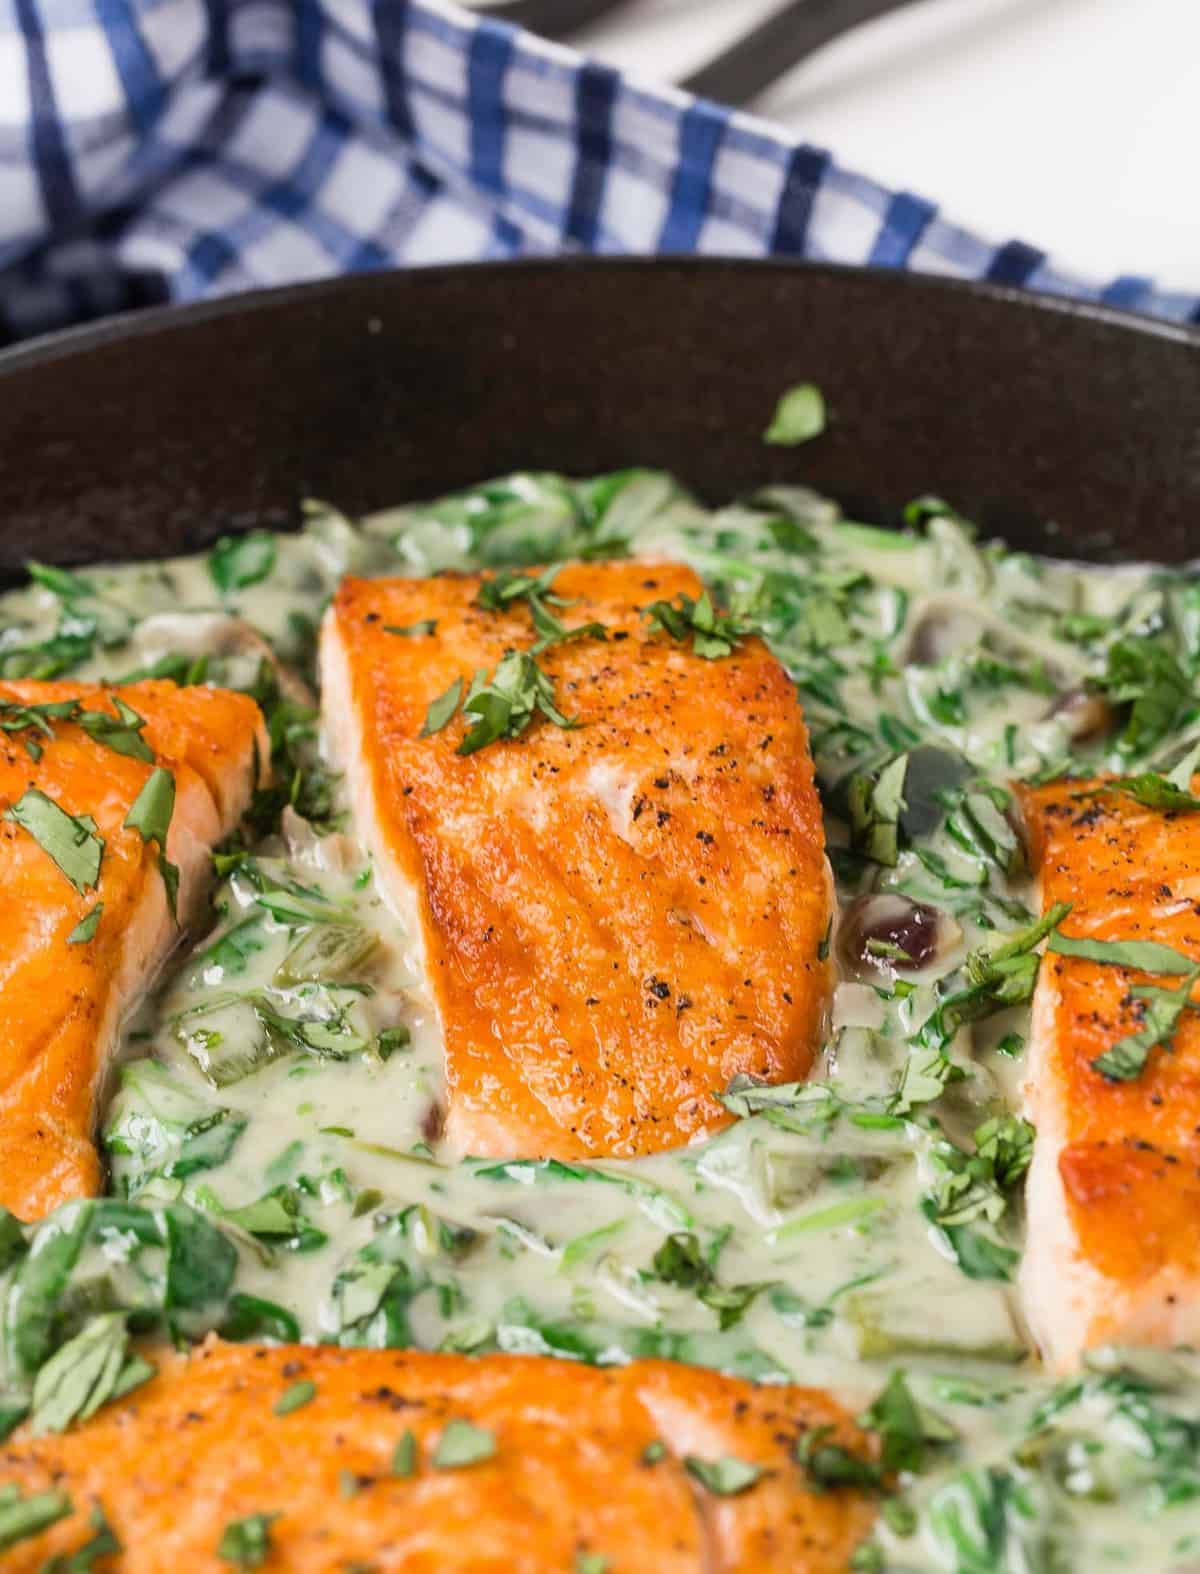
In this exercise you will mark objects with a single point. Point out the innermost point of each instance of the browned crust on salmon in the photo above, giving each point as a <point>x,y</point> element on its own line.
<point>200,1446</point>
<point>63,1002</point>
<point>1113,1252</point>
<point>616,918</point>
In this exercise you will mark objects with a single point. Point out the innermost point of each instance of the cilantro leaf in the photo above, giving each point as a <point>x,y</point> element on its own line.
<point>905,1430</point>
<point>713,634</point>
<point>462,1444</point>
<point>1143,674</point>
<point>21,1518</point>
<point>416,630</point>
<point>103,1544</point>
<point>150,815</point>
<point>85,929</point>
<point>404,1455</point>
<point>506,705</point>
<point>295,1397</point>
<point>441,710</point>
<point>831,1465</point>
<point>1161,1014</point>
<point>724,1477</point>
<point>997,977</point>
<point>799,417</point>
<point>247,1542</point>
<point>71,841</point>
<point>121,733</point>
<point>1143,956</point>
<point>85,1373</point>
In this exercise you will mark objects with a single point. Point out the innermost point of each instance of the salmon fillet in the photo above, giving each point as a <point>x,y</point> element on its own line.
<point>63,999</point>
<point>1112,1251</point>
<point>616,918</point>
<point>200,1445</point>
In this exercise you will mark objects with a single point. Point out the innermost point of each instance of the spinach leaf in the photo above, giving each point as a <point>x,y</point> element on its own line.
<point>1143,674</point>
<point>237,562</point>
<point>85,1373</point>
<point>875,804</point>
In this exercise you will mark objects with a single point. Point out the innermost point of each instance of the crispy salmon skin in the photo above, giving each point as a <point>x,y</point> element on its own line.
<point>65,989</point>
<point>443,1464</point>
<point>1113,1252</point>
<point>617,916</point>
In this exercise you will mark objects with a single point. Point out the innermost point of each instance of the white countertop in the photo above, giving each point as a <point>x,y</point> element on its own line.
<point>1071,124</point>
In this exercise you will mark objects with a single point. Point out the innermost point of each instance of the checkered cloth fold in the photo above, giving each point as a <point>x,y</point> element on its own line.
<point>157,150</point>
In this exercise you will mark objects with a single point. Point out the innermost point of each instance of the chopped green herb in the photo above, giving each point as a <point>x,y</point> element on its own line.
<point>100,1545</point>
<point>713,634</point>
<point>85,1373</point>
<point>85,929</point>
<point>1143,956</point>
<point>237,562</point>
<point>441,710</point>
<point>247,1542</point>
<point>831,1465</point>
<point>505,706</point>
<point>150,815</point>
<point>799,417</point>
<point>404,1455</point>
<point>122,733</point>
<point>724,1477</point>
<point>71,841</point>
<point>462,1444</point>
<point>653,1452</point>
<point>1161,1013</point>
<point>905,1430</point>
<point>293,1398</point>
<point>21,1518</point>
<point>590,1563</point>
<point>417,630</point>
<point>1143,674</point>
<point>875,804</point>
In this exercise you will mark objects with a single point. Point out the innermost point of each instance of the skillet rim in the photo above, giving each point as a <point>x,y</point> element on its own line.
<point>44,349</point>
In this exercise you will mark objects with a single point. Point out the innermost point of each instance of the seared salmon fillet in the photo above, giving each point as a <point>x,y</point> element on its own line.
<point>65,991</point>
<point>445,1464</point>
<point>1113,1249</point>
<point>616,916</point>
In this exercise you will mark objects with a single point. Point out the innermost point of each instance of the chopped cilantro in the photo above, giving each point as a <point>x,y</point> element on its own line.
<point>405,1455</point>
<point>85,929</point>
<point>71,841</point>
<point>150,815</point>
<point>418,630</point>
<point>295,1397</point>
<point>21,1517</point>
<point>713,634</point>
<point>462,1444</point>
<point>799,417</point>
<point>724,1477</point>
<point>247,1542</point>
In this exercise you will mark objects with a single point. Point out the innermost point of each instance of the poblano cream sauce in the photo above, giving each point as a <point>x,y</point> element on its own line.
<point>280,1097</point>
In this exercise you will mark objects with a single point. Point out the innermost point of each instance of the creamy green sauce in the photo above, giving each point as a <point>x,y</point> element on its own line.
<point>284,1083</point>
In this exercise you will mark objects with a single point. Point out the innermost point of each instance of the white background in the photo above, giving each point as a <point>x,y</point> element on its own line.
<point>1071,124</point>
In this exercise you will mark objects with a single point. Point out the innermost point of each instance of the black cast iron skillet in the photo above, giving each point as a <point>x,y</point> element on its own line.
<point>1061,427</point>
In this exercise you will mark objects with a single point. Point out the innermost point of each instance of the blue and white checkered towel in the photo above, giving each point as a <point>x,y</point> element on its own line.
<point>158,150</point>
